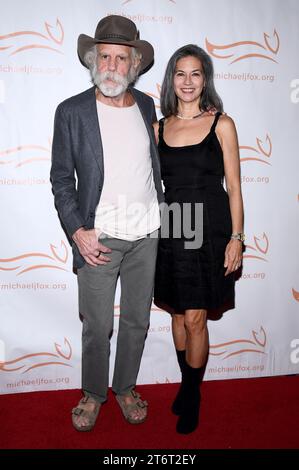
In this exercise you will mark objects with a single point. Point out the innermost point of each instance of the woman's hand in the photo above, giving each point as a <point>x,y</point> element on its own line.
<point>233,256</point>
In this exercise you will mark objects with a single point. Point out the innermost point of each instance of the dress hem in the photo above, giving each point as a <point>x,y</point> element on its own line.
<point>181,310</point>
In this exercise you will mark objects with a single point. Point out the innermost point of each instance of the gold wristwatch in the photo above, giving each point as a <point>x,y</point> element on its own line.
<point>238,236</point>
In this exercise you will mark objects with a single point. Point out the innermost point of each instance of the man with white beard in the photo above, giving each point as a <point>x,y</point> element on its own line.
<point>112,221</point>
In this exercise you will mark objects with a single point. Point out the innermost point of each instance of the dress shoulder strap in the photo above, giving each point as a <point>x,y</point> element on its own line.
<point>217,116</point>
<point>161,129</point>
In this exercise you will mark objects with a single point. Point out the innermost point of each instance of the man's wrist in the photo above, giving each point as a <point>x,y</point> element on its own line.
<point>79,230</point>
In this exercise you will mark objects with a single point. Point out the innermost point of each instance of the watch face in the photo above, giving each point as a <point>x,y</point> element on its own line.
<point>238,236</point>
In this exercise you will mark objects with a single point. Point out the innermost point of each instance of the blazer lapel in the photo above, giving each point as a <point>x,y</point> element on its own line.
<point>91,124</point>
<point>140,104</point>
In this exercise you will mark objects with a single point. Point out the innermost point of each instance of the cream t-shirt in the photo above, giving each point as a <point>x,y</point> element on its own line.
<point>128,208</point>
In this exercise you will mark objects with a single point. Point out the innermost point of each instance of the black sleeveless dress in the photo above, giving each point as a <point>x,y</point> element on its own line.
<point>194,278</point>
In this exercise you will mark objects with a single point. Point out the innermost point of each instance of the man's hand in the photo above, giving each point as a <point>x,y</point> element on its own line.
<point>90,248</point>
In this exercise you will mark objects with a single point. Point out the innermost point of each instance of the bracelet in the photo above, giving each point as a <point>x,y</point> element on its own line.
<point>238,236</point>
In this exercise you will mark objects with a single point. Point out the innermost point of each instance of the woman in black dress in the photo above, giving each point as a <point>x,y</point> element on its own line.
<point>198,149</point>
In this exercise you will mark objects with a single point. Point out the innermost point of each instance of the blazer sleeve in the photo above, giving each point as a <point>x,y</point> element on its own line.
<point>62,175</point>
<point>153,110</point>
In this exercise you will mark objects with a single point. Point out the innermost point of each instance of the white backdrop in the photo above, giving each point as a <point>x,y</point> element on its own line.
<point>254,45</point>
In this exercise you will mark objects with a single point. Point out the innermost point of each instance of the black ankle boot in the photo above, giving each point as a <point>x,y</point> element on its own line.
<point>189,417</point>
<point>177,404</point>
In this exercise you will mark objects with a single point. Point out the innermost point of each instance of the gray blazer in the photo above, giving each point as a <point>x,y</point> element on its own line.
<point>77,171</point>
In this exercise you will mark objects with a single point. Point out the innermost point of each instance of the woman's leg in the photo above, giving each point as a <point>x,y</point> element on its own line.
<point>179,332</point>
<point>197,347</point>
<point>190,334</point>
<point>197,337</point>
<point>179,339</point>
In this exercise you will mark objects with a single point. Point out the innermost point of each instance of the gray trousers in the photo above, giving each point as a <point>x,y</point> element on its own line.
<point>135,263</point>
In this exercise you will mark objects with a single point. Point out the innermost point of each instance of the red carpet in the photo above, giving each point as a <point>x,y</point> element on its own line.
<point>250,413</point>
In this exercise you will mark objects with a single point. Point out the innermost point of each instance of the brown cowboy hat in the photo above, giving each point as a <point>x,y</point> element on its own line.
<point>114,29</point>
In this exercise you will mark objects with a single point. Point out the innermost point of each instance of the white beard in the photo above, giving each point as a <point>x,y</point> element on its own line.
<point>112,91</point>
<point>121,82</point>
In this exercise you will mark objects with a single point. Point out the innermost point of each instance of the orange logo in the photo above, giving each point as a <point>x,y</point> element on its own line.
<point>26,262</point>
<point>295,294</point>
<point>53,35</point>
<point>18,156</point>
<point>259,152</point>
<point>240,346</point>
<point>40,359</point>
<point>260,247</point>
<point>239,50</point>
<point>156,97</point>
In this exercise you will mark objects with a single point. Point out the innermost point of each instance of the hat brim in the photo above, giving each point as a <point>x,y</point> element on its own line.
<point>85,43</point>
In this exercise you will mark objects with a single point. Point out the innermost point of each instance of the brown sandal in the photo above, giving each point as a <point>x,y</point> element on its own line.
<point>129,409</point>
<point>91,416</point>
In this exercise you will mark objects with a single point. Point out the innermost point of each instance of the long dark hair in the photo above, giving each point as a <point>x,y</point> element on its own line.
<point>209,97</point>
